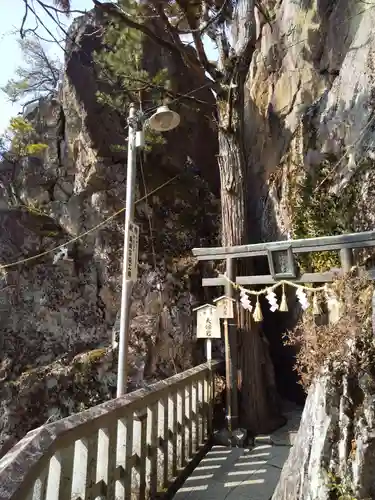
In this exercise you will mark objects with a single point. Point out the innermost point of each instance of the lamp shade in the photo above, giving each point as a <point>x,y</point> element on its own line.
<point>164,119</point>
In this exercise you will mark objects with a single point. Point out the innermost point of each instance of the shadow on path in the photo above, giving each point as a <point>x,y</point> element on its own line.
<point>239,474</point>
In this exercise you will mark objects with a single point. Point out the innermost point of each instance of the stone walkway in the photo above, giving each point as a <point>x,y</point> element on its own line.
<point>239,474</point>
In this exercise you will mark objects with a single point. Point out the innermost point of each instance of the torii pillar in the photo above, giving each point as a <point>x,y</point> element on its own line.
<point>233,359</point>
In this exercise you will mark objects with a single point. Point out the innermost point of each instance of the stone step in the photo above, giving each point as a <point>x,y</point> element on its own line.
<point>262,439</point>
<point>285,438</point>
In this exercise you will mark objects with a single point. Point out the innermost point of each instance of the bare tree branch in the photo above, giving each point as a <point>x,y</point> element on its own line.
<point>204,27</point>
<point>117,13</point>
<point>36,15</point>
<point>22,33</point>
<point>61,11</point>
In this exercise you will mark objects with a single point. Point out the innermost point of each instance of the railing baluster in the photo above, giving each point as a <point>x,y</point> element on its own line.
<point>153,458</point>
<point>160,440</point>
<point>190,423</point>
<point>67,457</point>
<point>120,459</point>
<point>92,460</point>
<point>54,475</point>
<point>197,426</point>
<point>105,467</point>
<point>39,489</point>
<point>202,411</point>
<point>142,419</point>
<point>175,435</point>
<point>178,401</point>
<point>102,464</point>
<point>79,469</point>
<point>183,428</point>
<point>206,400</point>
<point>166,442</point>
<point>112,446</point>
<point>210,402</point>
<point>84,467</point>
<point>129,457</point>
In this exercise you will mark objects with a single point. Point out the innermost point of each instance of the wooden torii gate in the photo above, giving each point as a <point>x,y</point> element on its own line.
<point>344,244</point>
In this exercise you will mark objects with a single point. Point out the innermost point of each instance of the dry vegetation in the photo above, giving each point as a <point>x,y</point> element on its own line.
<point>346,345</point>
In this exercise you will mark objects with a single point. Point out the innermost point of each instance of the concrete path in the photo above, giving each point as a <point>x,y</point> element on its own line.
<point>242,474</point>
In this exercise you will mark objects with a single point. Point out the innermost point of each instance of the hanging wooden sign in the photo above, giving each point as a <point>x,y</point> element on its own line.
<point>208,322</point>
<point>224,306</point>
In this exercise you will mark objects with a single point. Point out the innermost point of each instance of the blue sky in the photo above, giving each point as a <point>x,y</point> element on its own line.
<point>11,13</point>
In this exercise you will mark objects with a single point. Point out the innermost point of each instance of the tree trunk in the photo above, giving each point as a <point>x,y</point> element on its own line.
<point>258,410</point>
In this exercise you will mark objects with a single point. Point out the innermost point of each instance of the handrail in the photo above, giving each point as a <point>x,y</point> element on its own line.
<point>39,455</point>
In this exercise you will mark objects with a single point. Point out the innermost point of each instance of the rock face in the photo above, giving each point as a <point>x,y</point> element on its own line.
<point>54,310</point>
<point>311,145</point>
<point>336,433</point>
<point>310,126</point>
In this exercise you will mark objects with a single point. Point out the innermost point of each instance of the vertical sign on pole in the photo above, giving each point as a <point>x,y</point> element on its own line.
<point>208,326</point>
<point>132,271</point>
<point>224,307</point>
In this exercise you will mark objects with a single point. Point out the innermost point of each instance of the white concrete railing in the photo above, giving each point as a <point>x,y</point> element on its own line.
<point>127,448</point>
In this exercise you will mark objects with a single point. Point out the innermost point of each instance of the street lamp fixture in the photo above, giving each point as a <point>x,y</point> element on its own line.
<point>162,120</point>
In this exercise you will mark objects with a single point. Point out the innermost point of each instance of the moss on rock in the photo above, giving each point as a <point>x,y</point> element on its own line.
<point>315,211</point>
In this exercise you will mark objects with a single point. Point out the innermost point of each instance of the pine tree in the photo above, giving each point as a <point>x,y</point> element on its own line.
<point>121,62</point>
<point>121,66</point>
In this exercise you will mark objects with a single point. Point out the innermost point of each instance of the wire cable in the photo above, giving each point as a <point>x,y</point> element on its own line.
<point>146,195</point>
<point>63,245</point>
<point>360,136</point>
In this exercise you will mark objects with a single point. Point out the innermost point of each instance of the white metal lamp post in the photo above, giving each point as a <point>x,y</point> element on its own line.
<point>162,121</point>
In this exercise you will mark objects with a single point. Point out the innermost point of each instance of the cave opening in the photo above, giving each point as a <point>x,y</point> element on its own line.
<point>274,326</point>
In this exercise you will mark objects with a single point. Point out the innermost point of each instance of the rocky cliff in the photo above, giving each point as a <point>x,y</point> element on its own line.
<point>310,117</point>
<point>58,317</point>
<point>311,146</point>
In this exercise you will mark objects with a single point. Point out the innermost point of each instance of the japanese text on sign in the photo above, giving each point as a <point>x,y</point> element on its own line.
<point>132,268</point>
<point>208,324</point>
<point>208,327</point>
<point>224,307</point>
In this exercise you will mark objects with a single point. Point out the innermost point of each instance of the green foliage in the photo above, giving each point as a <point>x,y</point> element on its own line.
<point>34,210</point>
<point>120,62</point>
<point>18,140</point>
<point>95,355</point>
<point>316,212</point>
<point>120,69</point>
<point>85,363</point>
<point>151,139</point>
<point>39,76</point>
<point>340,488</point>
